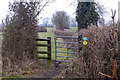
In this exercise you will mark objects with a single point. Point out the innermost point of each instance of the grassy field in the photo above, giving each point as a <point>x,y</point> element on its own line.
<point>50,33</point>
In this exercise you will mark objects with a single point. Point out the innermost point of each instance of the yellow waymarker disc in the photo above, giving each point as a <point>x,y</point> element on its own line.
<point>85,42</point>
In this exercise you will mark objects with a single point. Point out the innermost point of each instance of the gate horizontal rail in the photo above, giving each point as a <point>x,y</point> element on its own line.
<point>66,37</point>
<point>63,61</point>
<point>42,39</point>
<point>67,52</point>
<point>67,47</point>
<point>66,56</point>
<point>43,45</point>
<point>43,52</point>
<point>66,43</point>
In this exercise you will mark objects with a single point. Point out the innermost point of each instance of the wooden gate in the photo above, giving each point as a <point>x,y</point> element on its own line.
<point>48,45</point>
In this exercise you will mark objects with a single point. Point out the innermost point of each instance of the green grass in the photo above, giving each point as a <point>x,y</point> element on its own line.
<point>8,77</point>
<point>72,29</point>
<point>14,76</point>
<point>50,33</point>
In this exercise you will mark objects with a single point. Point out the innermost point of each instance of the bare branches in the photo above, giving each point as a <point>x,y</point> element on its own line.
<point>113,15</point>
<point>43,4</point>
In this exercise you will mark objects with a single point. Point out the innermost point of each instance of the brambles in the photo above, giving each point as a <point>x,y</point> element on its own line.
<point>98,55</point>
<point>101,48</point>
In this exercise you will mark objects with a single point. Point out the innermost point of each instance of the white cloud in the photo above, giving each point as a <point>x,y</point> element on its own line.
<point>63,5</point>
<point>3,9</point>
<point>59,5</point>
<point>110,4</point>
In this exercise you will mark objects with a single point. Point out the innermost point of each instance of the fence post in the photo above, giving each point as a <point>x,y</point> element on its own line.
<point>55,49</point>
<point>80,43</point>
<point>49,50</point>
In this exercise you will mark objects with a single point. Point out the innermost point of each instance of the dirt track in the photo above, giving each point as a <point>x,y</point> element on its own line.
<point>51,71</point>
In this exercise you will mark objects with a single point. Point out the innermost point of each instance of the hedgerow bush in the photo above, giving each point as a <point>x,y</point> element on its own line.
<point>63,33</point>
<point>42,29</point>
<point>98,56</point>
<point>18,45</point>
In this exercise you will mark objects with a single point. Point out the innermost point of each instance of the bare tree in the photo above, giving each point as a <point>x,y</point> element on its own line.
<point>113,15</point>
<point>73,22</point>
<point>45,22</point>
<point>61,20</point>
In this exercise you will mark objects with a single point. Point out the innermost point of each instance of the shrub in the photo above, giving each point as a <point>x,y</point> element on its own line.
<point>97,56</point>
<point>63,33</point>
<point>19,38</point>
<point>42,29</point>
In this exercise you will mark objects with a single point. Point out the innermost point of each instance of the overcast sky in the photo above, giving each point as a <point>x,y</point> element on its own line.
<point>63,5</point>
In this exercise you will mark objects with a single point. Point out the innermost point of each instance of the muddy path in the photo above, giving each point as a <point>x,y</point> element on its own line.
<point>52,71</point>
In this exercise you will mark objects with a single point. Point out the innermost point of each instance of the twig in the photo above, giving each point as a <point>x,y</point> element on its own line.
<point>114,74</point>
<point>105,75</point>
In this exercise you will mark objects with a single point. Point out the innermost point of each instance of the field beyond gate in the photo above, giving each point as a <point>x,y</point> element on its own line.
<point>50,33</point>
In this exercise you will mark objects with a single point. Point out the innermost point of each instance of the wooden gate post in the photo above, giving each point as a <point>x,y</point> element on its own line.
<point>49,50</point>
<point>80,42</point>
